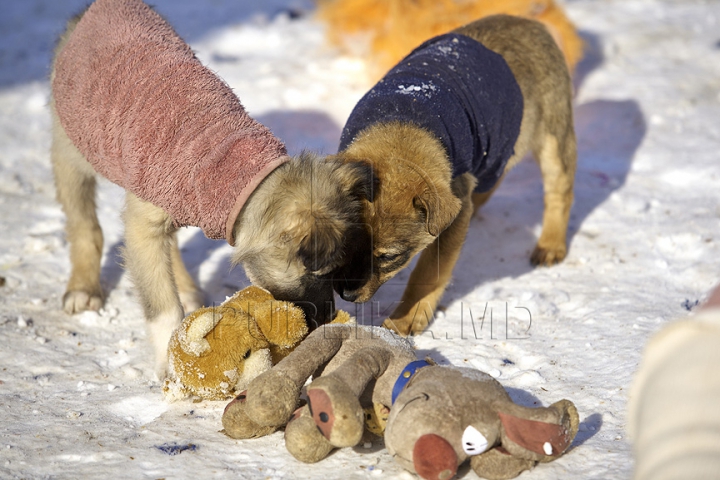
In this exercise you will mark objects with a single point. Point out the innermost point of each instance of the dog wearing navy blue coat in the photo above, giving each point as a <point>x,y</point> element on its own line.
<point>440,130</point>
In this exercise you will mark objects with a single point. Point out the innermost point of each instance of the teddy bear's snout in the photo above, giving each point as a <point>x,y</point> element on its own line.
<point>434,458</point>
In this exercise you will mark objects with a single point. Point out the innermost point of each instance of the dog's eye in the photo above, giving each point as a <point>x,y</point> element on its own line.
<point>473,442</point>
<point>388,257</point>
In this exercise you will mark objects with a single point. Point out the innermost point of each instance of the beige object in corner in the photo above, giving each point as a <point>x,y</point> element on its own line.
<point>674,411</point>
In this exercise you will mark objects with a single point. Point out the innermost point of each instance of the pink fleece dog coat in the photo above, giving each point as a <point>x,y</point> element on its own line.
<point>150,117</point>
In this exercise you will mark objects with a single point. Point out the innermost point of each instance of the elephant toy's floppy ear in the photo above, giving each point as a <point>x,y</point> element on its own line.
<point>538,437</point>
<point>540,440</point>
<point>528,436</point>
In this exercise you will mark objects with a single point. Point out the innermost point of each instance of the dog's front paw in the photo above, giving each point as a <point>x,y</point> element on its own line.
<point>547,256</point>
<point>399,326</point>
<point>406,325</point>
<point>76,301</point>
<point>410,321</point>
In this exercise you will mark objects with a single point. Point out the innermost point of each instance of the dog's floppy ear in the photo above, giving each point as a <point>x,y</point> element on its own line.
<point>335,212</point>
<point>322,246</point>
<point>438,209</point>
<point>361,179</point>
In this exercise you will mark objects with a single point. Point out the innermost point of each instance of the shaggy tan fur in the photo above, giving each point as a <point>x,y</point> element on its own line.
<point>290,233</point>
<point>418,207</point>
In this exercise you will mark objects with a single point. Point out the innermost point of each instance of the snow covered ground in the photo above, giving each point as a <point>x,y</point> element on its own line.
<point>77,394</point>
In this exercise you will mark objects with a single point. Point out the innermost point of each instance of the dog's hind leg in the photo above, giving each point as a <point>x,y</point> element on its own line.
<point>191,297</point>
<point>149,241</point>
<point>556,155</point>
<point>75,189</point>
<point>434,268</point>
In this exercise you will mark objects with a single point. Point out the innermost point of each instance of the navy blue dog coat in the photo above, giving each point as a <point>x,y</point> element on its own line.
<point>460,91</point>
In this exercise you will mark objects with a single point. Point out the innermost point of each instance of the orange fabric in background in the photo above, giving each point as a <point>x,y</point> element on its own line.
<point>395,27</point>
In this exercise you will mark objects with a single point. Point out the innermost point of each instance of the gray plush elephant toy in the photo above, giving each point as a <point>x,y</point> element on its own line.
<point>439,416</point>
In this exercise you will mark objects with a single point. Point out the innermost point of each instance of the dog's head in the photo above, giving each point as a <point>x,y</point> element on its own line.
<point>293,232</point>
<point>411,204</point>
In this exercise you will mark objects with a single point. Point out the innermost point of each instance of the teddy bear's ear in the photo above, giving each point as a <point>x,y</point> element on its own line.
<point>245,298</point>
<point>193,340</point>
<point>281,322</point>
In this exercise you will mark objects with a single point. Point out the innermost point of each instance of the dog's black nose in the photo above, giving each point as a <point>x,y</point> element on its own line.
<point>347,289</point>
<point>349,295</point>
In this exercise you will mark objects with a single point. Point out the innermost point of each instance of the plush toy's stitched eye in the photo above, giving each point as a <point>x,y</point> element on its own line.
<point>247,355</point>
<point>473,442</point>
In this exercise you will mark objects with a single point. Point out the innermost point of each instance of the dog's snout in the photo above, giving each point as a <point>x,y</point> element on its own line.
<point>351,279</point>
<point>349,295</point>
<point>315,297</point>
<point>356,292</point>
<point>350,282</point>
<point>348,288</point>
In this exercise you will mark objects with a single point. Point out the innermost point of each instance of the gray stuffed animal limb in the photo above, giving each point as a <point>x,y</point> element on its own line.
<point>353,360</point>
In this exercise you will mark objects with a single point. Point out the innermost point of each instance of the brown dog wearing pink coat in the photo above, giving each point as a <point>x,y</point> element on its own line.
<point>132,102</point>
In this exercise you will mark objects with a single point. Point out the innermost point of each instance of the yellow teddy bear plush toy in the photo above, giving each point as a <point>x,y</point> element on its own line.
<point>217,350</point>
